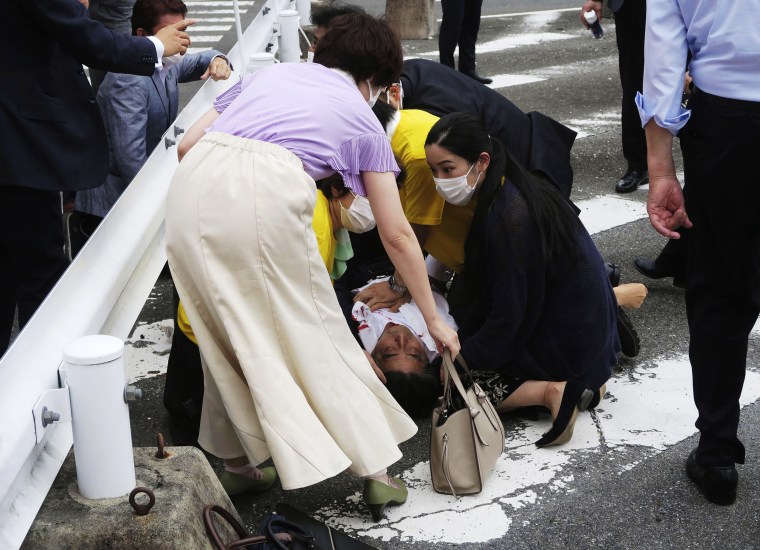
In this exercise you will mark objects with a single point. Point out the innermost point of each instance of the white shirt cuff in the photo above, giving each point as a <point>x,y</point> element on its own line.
<point>671,124</point>
<point>159,50</point>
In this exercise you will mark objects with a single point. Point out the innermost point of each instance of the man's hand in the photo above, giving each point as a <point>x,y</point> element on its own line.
<point>665,206</point>
<point>379,295</point>
<point>591,5</point>
<point>218,69</point>
<point>174,38</point>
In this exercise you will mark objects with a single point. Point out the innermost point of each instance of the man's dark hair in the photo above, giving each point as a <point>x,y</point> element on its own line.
<point>384,113</point>
<point>364,46</point>
<point>322,16</point>
<point>146,13</point>
<point>417,392</point>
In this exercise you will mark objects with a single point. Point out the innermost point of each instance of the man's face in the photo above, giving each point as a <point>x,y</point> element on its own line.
<point>399,350</point>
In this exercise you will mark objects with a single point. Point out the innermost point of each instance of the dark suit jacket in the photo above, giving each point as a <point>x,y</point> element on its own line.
<point>539,143</point>
<point>52,134</point>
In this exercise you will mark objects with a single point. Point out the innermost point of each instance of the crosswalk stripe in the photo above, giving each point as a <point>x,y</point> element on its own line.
<point>512,41</point>
<point>209,28</point>
<point>605,212</point>
<point>205,38</point>
<point>203,4</point>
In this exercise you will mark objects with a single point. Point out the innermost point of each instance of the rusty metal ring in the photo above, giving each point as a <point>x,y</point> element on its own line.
<point>142,509</point>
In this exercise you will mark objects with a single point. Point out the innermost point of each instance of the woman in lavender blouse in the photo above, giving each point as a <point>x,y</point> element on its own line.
<point>284,377</point>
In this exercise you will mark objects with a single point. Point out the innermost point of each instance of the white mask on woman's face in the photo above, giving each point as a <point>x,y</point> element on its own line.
<point>358,217</point>
<point>373,97</point>
<point>456,190</point>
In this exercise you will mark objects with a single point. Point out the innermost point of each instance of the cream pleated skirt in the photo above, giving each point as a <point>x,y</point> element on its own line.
<point>284,377</point>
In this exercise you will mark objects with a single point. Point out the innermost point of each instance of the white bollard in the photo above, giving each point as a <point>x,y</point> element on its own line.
<point>100,416</point>
<point>304,12</point>
<point>259,61</point>
<point>290,50</point>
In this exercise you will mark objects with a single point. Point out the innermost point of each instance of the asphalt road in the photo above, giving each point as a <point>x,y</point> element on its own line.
<point>620,484</point>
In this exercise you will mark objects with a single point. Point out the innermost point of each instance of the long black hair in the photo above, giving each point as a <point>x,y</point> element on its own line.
<point>556,222</point>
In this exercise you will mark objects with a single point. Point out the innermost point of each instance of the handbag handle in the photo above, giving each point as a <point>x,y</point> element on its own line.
<point>481,396</point>
<point>451,373</point>
<point>244,539</point>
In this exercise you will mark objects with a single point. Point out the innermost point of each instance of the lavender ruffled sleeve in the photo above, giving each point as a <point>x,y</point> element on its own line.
<point>227,97</point>
<point>364,153</point>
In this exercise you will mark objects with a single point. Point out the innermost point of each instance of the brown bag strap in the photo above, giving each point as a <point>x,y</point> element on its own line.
<point>243,540</point>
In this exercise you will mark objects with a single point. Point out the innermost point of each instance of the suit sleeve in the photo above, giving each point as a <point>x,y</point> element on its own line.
<point>194,65</point>
<point>125,115</point>
<point>67,23</point>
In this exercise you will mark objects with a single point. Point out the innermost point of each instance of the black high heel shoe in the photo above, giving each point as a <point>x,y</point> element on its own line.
<point>597,398</point>
<point>575,398</point>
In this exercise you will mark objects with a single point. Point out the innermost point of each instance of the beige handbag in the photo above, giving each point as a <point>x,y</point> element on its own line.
<point>467,435</point>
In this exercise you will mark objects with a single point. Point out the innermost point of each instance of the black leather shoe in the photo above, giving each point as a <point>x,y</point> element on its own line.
<point>629,338</point>
<point>476,76</point>
<point>613,272</point>
<point>650,268</point>
<point>717,483</point>
<point>631,181</point>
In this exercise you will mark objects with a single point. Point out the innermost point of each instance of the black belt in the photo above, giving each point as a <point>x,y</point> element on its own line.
<point>739,104</point>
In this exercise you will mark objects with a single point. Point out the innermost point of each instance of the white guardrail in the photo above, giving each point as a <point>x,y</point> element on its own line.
<point>102,292</point>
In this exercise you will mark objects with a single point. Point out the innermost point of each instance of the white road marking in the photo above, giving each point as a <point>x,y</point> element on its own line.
<point>506,80</point>
<point>146,351</point>
<point>664,415</point>
<point>607,211</point>
<point>214,12</point>
<point>220,3</point>
<point>209,28</point>
<point>512,41</point>
<point>205,38</point>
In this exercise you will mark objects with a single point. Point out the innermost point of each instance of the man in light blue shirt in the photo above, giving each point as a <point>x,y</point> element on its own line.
<point>720,140</point>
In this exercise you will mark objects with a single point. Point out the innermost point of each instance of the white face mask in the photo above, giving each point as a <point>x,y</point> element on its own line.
<point>310,56</point>
<point>171,60</point>
<point>373,97</point>
<point>456,190</point>
<point>358,217</point>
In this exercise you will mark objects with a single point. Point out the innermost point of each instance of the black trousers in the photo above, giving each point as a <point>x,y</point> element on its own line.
<point>459,27</point>
<point>183,389</point>
<point>31,253</point>
<point>722,191</point>
<point>630,23</point>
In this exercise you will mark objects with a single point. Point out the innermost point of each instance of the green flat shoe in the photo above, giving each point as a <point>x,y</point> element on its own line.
<point>377,495</point>
<point>236,484</point>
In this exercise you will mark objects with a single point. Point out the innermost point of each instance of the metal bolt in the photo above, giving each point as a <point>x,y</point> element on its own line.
<point>169,142</point>
<point>178,131</point>
<point>266,10</point>
<point>132,393</point>
<point>160,453</point>
<point>48,417</point>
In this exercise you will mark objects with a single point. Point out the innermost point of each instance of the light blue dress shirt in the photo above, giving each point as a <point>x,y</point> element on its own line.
<point>724,38</point>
